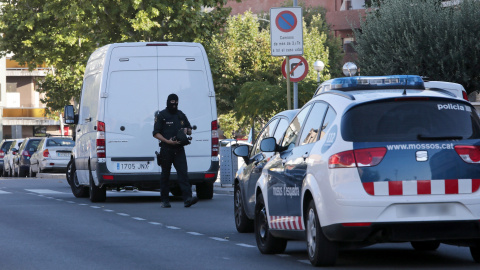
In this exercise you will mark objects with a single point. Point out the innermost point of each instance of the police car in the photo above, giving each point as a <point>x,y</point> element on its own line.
<point>371,160</point>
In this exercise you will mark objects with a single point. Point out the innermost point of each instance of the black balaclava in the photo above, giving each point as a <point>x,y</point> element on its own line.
<point>172,107</point>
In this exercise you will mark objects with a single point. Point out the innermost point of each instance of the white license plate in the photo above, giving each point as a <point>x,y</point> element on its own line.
<point>133,166</point>
<point>425,210</point>
<point>63,154</point>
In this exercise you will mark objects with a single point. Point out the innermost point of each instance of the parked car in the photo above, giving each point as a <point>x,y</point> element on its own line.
<point>53,154</point>
<point>373,160</point>
<point>8,158</point>
<point>21,161</point>
<point>4,146</point>
<point>248,174</point>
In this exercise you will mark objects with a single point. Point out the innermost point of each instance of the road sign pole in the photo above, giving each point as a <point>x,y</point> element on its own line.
<point>289,101</point>
<point>295,95</point>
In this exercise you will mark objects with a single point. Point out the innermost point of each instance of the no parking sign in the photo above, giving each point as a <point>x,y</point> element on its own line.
<point>286,31</point>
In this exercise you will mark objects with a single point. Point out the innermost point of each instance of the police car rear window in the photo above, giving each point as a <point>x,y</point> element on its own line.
<point>410,120</point>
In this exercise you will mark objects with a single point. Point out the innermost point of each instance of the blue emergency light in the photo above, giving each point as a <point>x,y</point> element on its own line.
<point>372,83</point>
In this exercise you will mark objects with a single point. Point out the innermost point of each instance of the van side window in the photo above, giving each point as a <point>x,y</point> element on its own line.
<point>293,130</point>
<point>90,93</point>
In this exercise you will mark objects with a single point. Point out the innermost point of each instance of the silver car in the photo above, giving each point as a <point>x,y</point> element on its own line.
<point>9,155</point>
<point>53,154</point>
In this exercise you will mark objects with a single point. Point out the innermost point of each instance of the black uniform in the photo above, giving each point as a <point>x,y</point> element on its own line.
<point>167,123</point>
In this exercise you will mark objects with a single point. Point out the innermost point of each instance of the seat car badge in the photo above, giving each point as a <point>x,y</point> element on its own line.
<point>422,155</point>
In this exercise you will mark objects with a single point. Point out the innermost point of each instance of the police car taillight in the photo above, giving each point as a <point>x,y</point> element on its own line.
<point>2,154</point>
<point>469,153</point>
<point>46,153</point>
<point>25,153</point>
<point>101,151</point>
<point>367,157</point>
<point>464,94</point>
<point>214,138</point>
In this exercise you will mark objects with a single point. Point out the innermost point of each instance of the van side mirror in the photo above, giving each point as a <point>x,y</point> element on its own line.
<point>268,144</point>
<point>70,115</point>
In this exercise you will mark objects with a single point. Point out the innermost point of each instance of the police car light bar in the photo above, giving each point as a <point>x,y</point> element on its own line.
<point>373,83</point>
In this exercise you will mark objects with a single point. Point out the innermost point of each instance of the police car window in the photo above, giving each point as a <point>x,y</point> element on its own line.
<point>313,123</point>
<point>293,130</point>
<point>267,132</point>
<point>329,118</point>
<point>282,126</point>
<point>405,120</point>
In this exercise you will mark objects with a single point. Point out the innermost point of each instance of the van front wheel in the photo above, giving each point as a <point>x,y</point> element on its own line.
<point>97,194</point>
<point>205,191</point>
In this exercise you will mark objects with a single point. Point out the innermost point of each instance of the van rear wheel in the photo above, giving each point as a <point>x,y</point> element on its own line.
<point>205,191</point>
<point>79,191</point>
<point>97,194</point>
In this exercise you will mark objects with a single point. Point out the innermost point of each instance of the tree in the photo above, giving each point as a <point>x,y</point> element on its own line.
<point>424,38</point>
<point>63,34</point>
<point>248,80</point>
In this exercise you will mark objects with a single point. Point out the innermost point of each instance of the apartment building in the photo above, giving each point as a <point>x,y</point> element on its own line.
<point>22,112</point>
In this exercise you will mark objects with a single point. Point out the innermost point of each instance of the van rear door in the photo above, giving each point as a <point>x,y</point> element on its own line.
<point>130,103</point>
<point>183,70</point>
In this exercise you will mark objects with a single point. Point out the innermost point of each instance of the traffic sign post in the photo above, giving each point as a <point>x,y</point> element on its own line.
<point>286,31</point>
<point>286,37</point>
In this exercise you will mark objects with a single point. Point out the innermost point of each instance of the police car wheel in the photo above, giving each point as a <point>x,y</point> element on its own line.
<point>79,191</point>
<point>475,251</point>
<point>97,194</point>
<point>242,222</point>
<point>426,245</point>
<point>266,243</point>
<point>321,251</point>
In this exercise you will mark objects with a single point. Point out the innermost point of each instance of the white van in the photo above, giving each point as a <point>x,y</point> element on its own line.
<point>454,88</point>
<point>124,86</point>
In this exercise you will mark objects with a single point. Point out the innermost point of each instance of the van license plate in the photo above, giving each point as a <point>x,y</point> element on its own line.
<point>63,154</point>
<point>133,166</point>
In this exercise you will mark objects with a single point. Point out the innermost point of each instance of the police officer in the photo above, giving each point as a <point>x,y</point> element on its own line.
<point>167,124</point>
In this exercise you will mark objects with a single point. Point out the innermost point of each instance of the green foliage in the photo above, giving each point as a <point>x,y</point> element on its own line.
<point>63,34</point>
<point>424,38</point>
<point>248,80</point>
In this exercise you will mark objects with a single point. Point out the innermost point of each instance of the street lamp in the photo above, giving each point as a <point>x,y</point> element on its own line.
<point>349,69</point>
<point>318,66</point>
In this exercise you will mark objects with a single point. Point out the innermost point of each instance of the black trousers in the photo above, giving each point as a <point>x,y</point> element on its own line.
<point>175,156</point>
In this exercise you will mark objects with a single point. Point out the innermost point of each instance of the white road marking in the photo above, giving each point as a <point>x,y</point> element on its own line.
<point>219,239</point>
<point>44,191</point>
<point>96,207</point>
<point>138,218</point>
<point>282,255</point>
<point>108,210</point>
<point>123,214</point>
<point>304,261</point>
<point>4,192</point>
<point>155,223</point>
<point>195,233</point>
<point>173,227</point>
<point>245,245</point>
<point>82,204</point>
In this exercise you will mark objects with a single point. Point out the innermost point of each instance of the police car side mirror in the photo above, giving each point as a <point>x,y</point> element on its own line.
<point>268,144</point>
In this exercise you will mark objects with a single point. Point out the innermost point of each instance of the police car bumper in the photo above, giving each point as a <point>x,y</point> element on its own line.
<point>460,232</point>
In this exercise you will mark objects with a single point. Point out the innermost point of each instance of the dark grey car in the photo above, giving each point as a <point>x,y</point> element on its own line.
<point>248,174</point>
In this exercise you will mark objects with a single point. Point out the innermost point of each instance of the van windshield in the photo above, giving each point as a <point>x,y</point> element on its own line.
<point>410,120</point>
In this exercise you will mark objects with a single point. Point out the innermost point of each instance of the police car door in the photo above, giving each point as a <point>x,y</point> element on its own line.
<point>283,178</point>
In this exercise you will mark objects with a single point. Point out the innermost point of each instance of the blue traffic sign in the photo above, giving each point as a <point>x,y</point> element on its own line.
<point>286,21</point>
